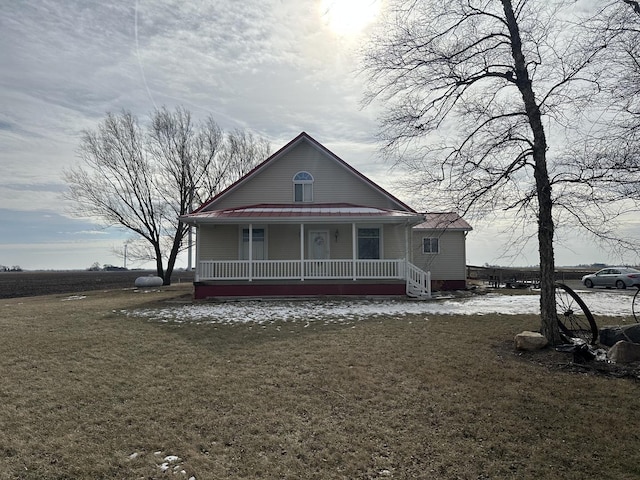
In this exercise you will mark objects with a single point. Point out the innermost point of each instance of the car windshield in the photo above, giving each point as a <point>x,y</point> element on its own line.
<point>616,271</point>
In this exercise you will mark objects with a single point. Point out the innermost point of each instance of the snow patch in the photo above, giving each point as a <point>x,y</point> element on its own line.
<point>74,297</point>
<point>169,464</point>
<point>349,311</point>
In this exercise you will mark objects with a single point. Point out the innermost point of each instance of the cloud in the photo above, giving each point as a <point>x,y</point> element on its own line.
<point>48,227</point>
<point>47,240</point>
<point>272,66</point>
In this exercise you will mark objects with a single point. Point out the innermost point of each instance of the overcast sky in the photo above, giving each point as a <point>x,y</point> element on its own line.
<point>276,67</point>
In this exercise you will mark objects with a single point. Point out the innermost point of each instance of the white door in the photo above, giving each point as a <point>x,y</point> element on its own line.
<point>319,244</point>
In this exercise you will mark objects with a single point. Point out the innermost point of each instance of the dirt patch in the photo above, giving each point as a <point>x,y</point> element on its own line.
<point>554,360</point>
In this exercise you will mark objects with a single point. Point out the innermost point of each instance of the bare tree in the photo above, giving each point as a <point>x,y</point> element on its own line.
<point>472,90</point>
<point>144,179</point>
<point>602,170</point>
<point>618,23</point>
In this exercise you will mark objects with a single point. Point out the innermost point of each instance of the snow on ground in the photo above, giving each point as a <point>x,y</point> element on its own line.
<point>600,303</point>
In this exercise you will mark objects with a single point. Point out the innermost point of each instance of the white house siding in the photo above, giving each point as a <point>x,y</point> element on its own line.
<point>450,263</point>
<point>342,247</point>
<point>222,242</point>
<point>218,242</point>
<point>394,241</point>
<point>333,183</point>
<point>283,242</point>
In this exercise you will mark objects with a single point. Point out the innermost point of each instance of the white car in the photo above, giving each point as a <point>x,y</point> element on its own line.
<point>618,277</point>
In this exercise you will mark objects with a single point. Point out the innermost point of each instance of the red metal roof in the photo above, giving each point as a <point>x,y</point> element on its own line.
<point>309,211</point>
<point>444,221</point>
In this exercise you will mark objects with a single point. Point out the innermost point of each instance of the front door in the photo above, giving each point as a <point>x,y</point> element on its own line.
<point>319,244</point>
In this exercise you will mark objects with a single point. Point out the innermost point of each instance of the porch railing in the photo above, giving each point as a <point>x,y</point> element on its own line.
<point>418,282</point>
<point>296,269</point>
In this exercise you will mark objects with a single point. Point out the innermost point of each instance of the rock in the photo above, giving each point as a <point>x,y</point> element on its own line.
<point>530,341</point>
<point>610,335</point>
<point>149,281</point>
<point>624,352</point>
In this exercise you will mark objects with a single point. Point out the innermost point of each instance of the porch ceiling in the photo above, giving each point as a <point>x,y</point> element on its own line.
<point>307,213</point>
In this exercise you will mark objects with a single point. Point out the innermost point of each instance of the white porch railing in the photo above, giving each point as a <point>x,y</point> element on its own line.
<point>296,269</point>
<point>418,281</point>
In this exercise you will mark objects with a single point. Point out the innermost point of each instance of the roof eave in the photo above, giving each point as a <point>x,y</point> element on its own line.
<point>371,219</point>
<point>444,228</point>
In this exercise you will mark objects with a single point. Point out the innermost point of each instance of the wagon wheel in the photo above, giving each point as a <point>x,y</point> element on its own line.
<point>635,305</point>
<point>574,318</point>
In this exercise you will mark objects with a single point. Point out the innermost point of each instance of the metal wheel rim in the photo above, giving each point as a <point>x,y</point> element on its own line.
<point>574,317</point>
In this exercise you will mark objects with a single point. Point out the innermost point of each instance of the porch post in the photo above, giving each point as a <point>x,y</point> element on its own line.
<point>406,250</point>
<point>354,249</point>
<point>407,246</point>
<point>197,277</point>
<point>250,252</point>
<point>302,252</point>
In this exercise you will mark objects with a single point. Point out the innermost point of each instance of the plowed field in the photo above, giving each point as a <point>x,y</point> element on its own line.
<point>27,284</point>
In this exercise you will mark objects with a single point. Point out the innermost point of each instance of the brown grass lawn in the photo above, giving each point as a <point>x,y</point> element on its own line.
<point>88,392</point>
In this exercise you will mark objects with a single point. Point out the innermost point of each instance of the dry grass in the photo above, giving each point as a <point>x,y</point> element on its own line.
<point>90,393</point>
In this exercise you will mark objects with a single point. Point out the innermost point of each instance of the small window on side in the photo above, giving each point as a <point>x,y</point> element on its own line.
<point>430,245</point>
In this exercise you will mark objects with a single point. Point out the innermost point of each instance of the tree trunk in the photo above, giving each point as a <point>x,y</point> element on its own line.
<point>548,312</point>
<point>173,255</point>
<point>159,268</point>
<point>168,272</point>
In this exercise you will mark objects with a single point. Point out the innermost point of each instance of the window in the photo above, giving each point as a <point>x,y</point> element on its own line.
<point>303,187</point>
<point>257,249</point>
<point>368,243</point>
<point>430,245</point>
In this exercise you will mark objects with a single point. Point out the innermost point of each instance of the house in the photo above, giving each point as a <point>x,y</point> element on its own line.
<point>305,223</point>
<point>439,247</point>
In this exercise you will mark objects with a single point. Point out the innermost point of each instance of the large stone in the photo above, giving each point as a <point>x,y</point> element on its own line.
<point>624,352</point>
<point>610,335</point>
<point>530,341</point>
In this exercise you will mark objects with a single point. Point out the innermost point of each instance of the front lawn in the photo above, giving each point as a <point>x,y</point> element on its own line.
<point>91,392</point>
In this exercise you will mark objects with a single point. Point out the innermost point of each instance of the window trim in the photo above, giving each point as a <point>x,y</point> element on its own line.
<point>380,241</point>
<point>437,239</point>
<point>241,242</point>
<point>306,180</point>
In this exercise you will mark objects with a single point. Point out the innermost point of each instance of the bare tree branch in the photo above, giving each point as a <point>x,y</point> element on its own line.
<point>143,180</point>
<point>471,91</point>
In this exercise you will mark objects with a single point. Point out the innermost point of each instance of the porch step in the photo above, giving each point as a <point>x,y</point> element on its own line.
<point>418,294</point>
<point>418,283</point>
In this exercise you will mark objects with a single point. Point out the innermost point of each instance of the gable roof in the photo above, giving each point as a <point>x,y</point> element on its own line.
<point>443,221</point>
<point>302,137</point>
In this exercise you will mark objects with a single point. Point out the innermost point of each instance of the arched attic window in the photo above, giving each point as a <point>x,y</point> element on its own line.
<point>303,187</point>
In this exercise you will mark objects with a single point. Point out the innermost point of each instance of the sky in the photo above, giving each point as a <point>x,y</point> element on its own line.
<point>274,67</point>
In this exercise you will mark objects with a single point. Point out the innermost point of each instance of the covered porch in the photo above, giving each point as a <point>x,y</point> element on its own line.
<point>311,278</point>
<point>307,250</point>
